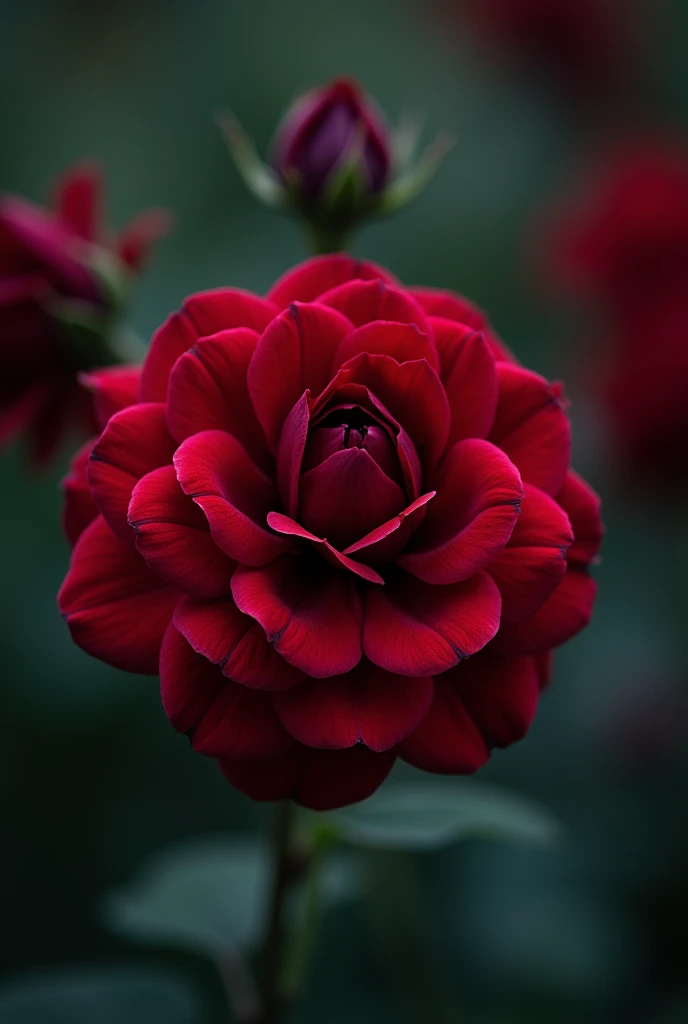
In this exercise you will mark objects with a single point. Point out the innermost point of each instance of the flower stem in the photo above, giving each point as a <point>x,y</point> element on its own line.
<point>273,944</point>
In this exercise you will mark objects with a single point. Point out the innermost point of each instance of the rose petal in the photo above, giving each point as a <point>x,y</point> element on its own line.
<point>220,717</point>
<point>385,541</point>
<point>450,306</point>
<point>234,642</point>
<point>532,427</point>
<point>173,536</point>
<point>201,315</point>
<point>534,561</point>
<point>367,705</point>
<point>469,375</point>
<point>447,741</point>
<point>365,301</point>
<point>564,613</point>
<point>78,200</point>
<point>294,354</point>
<point>292,445</point>
<point>309,612</point>
<point>283,524</point>
<point>137,238</point>
<point>116,608</point>
<point>319,779</point>
<point>401,341</point>
<point>501,695</point>
<point>113,388</point>
<point>315,276</point>
<point>207,390</point>
<point>79,509</point>
<point>582,506</point>
<point>477,505</point>
<point>217,472</point>
<point>134,442</point>
<point>415,629</point>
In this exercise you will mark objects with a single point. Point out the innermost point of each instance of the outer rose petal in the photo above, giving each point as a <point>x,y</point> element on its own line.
<point>216,471</point>
<point>532,427</point>
<point>220,717</point>
<point>173,536</point>
<point>134,442</point>
<point>447,741</point>
<point>309,280</point>
<point>472,517</point>
<point>79,508</point>
<point>116,608</point>
<point>500,694</point>
<point>319,779</point>
<point>469,376</point>
<point>294,354</point>
<point>235,642</point>
<point>207,390</point>
<point>201,315</point>
<point>78,200</point>
<point>534,561</point>
<point>415,629</point>
<point>451,306</point>
<point>564,614</point>
<point>365,301</point>
<point>113,388</point>
<point>401,341</point>
<point>367,705</point>
<point>311,614</point>
<point>582,506</point>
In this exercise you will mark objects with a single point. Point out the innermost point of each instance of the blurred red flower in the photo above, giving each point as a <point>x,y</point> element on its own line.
<point>340,521</point>
<point>60,281</point>
<point>621,242</point>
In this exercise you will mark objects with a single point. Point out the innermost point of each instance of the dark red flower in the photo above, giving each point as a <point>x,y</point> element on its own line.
<point>622,244</point>
<point>57,305</point>
<point>326,130</point>
<point>342,524</point>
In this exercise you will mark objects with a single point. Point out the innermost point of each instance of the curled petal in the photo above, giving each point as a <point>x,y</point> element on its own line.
<point>113,388</point>
<point>365,301</point>
<point>367,705</point>
<point>500,693</point>
<point>216,471</point>
<point>310,613</point>
<point>173,536</point>
<point>319,779</point>
<point>564,613</point>
<point>134,442</point>
<point>415,629</point>
<point>201,315</point>
<point>292,445</point>
<point>469,375</point>
<point>534,561</point>
<point>382,543</point>
<point>79,508</point>
<point>401,341</point>
<point>582,505</point>
<point>116,608</point>
<point>467,525</point>
<point>310,279</point>
<point>289,527</point>
<point>294,354</point>
<point>532,428</point>
<point>207,390</point>
<point>447,741</point>
<point>235,643</point>
<point>220,717</point>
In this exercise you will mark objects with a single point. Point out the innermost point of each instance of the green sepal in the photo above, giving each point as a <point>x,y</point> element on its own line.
<point>260,179</point>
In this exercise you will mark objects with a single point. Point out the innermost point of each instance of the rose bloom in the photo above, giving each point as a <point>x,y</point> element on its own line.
<point>621,242</point>
<point>53,268</point>
<point>340,521</point>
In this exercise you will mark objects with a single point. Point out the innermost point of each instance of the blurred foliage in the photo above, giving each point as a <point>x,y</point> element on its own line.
<point>95,782</point>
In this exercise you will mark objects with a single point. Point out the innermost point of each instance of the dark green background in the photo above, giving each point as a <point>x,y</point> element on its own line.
<point>94,780</point>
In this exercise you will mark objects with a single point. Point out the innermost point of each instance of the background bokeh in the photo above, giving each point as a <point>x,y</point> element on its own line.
<point>94,781</point>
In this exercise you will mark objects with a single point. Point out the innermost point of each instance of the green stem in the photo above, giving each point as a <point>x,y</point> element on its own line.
<point>326,240</point>
<point>273,944</point>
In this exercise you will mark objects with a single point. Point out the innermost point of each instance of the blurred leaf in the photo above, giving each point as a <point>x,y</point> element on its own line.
<point>106,995</point>
<point>428,815</point>
<point>210,894</point>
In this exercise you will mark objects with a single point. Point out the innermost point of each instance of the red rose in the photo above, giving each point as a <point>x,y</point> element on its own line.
<point>622,243</point>
<point>53,270</point>
<point>341,522</point>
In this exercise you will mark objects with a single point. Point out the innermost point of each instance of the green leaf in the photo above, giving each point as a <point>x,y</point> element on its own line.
<point>207,894</point>
<point>428,815</point>
<point>210,895</point>
<point>107,994</point>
